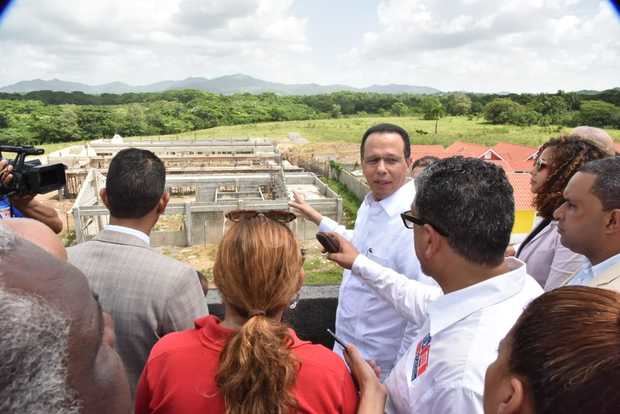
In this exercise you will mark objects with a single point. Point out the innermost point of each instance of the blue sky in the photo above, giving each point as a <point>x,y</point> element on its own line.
<point>473,45</point>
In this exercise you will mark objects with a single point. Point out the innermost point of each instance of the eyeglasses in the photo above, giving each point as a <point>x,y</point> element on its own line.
<point>280,216</point>
<point>540,164</point>
<point>409,220</point>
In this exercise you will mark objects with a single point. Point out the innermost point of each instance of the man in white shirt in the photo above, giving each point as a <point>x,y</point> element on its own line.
<point>147,294</point>
<point>363,318</point>
<point>589,222</point>
<point>461,218</point>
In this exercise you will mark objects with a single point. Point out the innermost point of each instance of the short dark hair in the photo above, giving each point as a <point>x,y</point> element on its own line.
<point>424,161</point>
<point>387,128</point>
<point>472,202</point>
<point>135,183</point>
<point>606,186</point>
<point>566,345</point>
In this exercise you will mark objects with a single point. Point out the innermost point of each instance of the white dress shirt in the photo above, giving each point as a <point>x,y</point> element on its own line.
<point>363,318</point>
<point>443,372</point>
<point>127,230</point>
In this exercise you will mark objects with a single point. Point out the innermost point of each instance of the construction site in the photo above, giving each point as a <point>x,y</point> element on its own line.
<point>205,178</point>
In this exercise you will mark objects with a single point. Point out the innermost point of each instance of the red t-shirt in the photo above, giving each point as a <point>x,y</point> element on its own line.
<point>179,376</point>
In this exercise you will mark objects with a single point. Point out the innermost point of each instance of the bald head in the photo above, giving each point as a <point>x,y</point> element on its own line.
<point>597,137</point>
<point>95,370</point>
<point>37,233</point>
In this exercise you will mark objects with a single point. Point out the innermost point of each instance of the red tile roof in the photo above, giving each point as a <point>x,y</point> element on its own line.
<point>516,155</point>
<point>465,149</point>
<point>513,158</point>
<point>419,151</point>
<point>521,187</point>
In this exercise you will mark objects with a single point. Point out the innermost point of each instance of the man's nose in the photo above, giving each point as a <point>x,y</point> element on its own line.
<point>381,167</point>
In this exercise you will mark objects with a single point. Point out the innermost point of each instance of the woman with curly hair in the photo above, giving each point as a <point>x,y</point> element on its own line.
<point>547,260</point>
<point>249,362</point>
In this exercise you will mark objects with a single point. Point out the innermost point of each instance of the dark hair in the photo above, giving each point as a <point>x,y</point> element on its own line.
<point>566,345</point>
<point>387,128</point>
<point>424,161</point>
<point>471,201</point>
<point>135,183</point>
<point>569,154</point>
<point>606,187</point>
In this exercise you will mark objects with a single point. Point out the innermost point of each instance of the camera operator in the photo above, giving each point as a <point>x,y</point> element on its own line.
<point>26,205</point>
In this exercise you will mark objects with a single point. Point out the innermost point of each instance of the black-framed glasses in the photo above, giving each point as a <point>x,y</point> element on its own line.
<point>281,216</point>
<point>409,220</point>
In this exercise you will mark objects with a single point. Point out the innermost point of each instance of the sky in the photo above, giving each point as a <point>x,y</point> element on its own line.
<point>466,45</point>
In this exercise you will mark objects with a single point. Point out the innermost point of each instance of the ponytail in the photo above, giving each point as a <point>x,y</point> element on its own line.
<point>257,369</point>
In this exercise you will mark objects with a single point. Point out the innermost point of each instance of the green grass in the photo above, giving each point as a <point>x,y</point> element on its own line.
<point>351,129</point>
<point>350,203</point>
<point>58,145</point>
<point>320,271</point>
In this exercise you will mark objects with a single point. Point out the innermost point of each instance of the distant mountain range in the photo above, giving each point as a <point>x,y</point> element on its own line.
<point>225,85</point>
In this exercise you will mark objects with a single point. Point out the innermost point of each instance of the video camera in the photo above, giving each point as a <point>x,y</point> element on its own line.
<point>30,177</point>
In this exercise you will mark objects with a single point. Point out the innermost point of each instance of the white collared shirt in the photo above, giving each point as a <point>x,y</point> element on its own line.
<point>127,230</point>
<point>363,318</point>
<point>588,272</point>
<point>443,372</point>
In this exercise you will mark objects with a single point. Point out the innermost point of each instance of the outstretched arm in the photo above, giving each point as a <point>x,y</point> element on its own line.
<point>302,207</point>
<point>409,297</point>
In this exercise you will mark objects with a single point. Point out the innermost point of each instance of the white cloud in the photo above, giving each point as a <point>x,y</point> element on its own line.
<point>480,45</point>
<point>485,45</point>
<point>145,41</point>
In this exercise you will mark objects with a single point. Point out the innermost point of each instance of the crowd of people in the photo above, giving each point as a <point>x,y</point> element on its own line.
<point>437,313</point>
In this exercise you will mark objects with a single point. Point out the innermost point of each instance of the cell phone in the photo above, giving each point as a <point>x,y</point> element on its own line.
<point>329,242</point>
<point>340,341</point>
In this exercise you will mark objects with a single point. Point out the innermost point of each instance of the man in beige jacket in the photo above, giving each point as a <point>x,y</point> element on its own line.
<point>589,222</point>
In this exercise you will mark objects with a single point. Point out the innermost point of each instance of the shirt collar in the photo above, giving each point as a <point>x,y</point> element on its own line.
<point>127,230</point>
<point>213,335</point>
<point>451,308</point>
<point>604,265</point>
<point>393,204</point>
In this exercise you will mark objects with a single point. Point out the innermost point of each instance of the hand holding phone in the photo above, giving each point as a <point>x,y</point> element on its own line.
<point>329,242</point>
<point>339,340</point>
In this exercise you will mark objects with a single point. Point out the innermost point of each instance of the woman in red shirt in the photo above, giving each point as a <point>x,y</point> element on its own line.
<point>249,362</point>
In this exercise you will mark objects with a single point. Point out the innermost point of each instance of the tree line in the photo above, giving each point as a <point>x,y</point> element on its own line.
<point>46,116</point>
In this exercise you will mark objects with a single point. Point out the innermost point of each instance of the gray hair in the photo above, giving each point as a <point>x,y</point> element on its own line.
<point>33,356</point>
<point>606,187</point>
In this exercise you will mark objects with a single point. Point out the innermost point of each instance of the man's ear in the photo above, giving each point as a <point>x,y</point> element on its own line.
<point>514,401</point>
<point>432,241</point>
<point>163,202</point>
<point>104,198</point>
<point>409,161</point>
<point>613,221</point>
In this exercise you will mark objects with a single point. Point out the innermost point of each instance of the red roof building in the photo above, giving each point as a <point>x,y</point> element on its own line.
<point>515,159</point>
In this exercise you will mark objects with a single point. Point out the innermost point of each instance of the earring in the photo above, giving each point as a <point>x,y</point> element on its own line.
<point>295,301</point>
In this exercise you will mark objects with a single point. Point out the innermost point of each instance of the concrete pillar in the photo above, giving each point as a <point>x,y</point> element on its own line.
<point>187,218</point>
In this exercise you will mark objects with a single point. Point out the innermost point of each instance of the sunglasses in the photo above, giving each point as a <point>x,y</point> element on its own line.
<point>409,220</point>
<point>540,164</point>
<point>280,216</point>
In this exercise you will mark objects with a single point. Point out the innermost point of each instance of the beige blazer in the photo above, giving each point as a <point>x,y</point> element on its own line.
<point>609,279</point>
<point>147,293</point>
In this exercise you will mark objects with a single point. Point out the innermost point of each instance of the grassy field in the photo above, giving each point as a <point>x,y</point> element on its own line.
<point>454,128</point>
<point>351,129</point>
